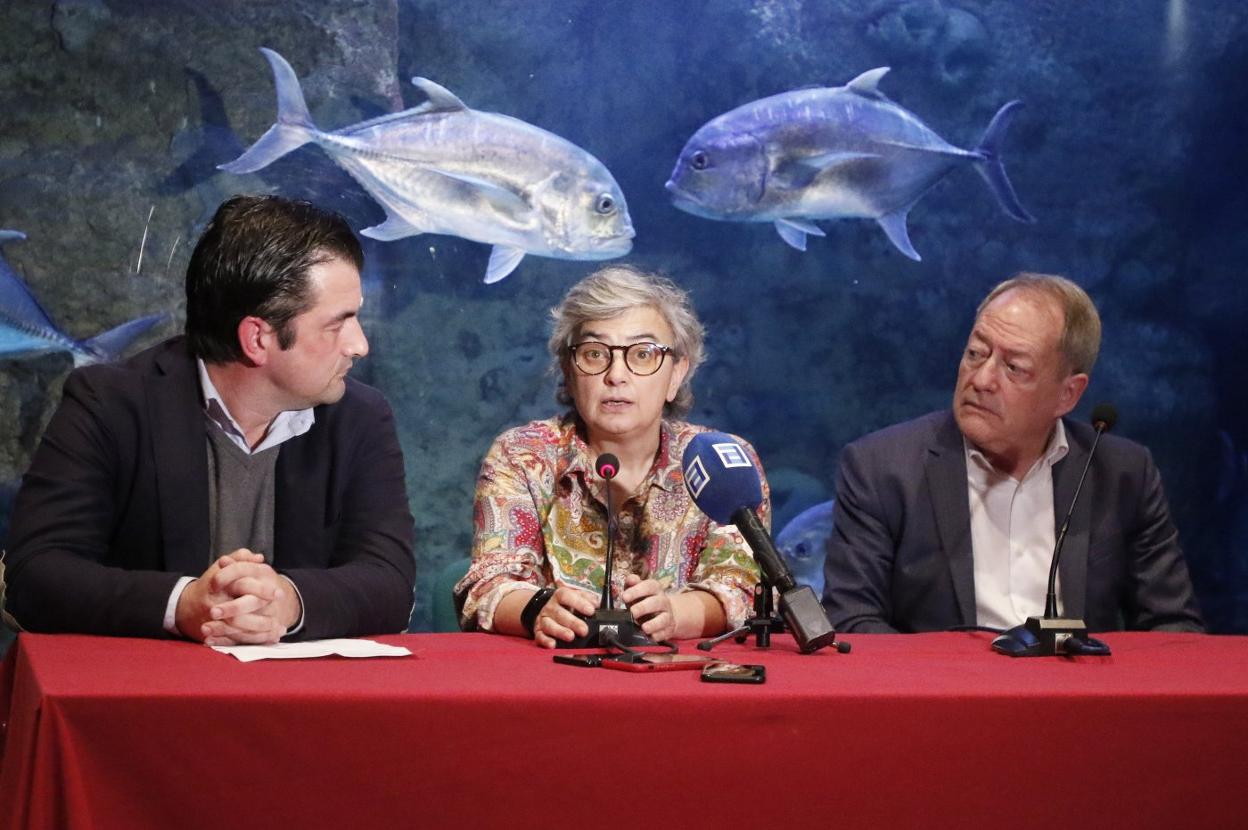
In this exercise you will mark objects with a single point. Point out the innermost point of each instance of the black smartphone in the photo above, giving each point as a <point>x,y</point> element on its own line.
<point>585,661</point>
<point>734,673</point>
<point>649,661</point>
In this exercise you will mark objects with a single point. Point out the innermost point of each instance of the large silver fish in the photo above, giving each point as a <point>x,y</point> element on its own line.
<point>26,329</point>
<point>444,168</point>
<point>827,153</point>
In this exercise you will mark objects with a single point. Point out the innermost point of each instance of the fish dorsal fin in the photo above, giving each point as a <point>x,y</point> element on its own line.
<point>440,98</point>
<point>868,83</point>
<point>11,236</point>
<point>503,260</point>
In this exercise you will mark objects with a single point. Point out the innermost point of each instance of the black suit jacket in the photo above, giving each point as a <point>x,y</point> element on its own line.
<point>114,508</point>
<point>899,557</point>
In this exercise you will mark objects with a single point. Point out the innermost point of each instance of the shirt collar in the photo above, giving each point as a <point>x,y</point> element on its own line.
<point>1056,450</point>
<point>287,425</point>
<point>665,473</point>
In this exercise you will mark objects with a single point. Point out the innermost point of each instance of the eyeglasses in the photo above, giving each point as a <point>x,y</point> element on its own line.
<point>594,358</point>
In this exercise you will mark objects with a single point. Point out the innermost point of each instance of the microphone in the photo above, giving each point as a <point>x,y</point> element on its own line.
<point>725,485</point>
<point>1050,635</point>
<point>609,626</point>
<point>607,467</point>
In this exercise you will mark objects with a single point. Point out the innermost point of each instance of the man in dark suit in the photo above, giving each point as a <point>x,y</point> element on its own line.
<point>231,486</point>
<point>950,519</point>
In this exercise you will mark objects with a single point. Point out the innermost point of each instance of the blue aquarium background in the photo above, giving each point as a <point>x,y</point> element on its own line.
<point>1130,152</point>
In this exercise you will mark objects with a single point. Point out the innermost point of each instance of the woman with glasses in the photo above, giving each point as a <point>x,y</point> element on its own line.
<point>626,344</point>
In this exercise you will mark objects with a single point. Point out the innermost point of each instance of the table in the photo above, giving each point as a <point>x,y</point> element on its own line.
<point>480,730</point>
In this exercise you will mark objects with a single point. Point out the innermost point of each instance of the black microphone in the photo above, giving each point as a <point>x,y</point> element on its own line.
<point>724,484</point>
<point>608,466</point>
<point>1049,635</point>
<point>609,626</point>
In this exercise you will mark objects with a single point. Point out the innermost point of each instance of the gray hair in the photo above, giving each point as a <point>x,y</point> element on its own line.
<point>1081,325</point>
<point>615,290</point>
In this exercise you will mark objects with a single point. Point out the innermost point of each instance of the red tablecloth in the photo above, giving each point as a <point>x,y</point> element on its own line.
<point>478,730</point>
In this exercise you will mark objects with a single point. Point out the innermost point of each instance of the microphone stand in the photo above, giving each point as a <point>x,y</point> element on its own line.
<point>610,627</point>
<point>800,610</point>
<point>762,625</point>
<point>1052,635</point>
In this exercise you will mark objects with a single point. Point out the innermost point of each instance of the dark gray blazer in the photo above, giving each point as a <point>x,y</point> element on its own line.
<point>114,508</point>
<point>899,557</point>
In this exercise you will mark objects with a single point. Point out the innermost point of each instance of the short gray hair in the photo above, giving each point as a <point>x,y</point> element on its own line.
<point>1081,325</point>
<point>615,290</point>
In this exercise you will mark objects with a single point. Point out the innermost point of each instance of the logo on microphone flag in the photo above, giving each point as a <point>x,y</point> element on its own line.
<point>696,478</point>
<point>731,455</point>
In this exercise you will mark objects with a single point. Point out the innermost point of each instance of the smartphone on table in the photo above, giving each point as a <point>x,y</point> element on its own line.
<point>655,662</point>
<point>720,672</point>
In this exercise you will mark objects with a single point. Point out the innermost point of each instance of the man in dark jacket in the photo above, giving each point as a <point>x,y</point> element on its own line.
<point>951,519</point>
<point>233,485</point>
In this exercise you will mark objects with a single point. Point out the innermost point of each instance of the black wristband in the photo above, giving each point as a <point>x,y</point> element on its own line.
<point>528,617</point>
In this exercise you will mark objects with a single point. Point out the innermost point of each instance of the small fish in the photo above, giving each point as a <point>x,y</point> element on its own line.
<point>26,329</point>
<point>827,153</point>
<point>444,168</point>
<point>803,544</point>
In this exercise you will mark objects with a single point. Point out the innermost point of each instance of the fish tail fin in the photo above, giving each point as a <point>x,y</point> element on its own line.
<point>110,345</point>
<point>294,126</point>
<point>991,167</point>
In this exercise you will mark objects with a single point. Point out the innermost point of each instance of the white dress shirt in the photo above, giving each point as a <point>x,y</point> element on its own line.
<point>1012,534</point>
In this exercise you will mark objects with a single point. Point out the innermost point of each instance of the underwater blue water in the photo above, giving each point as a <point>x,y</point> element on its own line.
<point>1128,151</point>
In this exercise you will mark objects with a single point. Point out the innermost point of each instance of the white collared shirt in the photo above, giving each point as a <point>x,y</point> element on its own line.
<point>1012,534</point>
<point>287,425</point>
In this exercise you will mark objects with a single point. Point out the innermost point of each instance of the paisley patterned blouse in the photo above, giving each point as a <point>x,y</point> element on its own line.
<point>540,519</point>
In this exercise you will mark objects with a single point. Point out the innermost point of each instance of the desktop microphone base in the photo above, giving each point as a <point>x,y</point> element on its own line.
<point>1041,637</point>
<point>610,628</point>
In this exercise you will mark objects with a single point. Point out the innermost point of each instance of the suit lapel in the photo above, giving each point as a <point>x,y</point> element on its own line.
<point>1073,568</point>
<point>291,511</point>
<point>946,480</point>
<point>181,460</point>
<point>304,500</point>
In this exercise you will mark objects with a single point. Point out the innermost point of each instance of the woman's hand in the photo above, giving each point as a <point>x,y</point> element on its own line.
<point>651,606</point>
<point>667,616</point>
<point>557,620</point>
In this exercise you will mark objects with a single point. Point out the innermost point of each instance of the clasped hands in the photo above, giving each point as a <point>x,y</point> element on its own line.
<point>239,599</point>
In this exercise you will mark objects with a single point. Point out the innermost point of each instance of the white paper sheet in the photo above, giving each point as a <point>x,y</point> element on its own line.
<point>313,648</point>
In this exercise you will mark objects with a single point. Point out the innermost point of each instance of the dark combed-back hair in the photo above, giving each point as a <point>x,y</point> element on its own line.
<point>253,260</point>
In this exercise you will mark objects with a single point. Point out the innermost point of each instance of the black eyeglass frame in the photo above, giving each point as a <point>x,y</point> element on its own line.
<point>664,351</point>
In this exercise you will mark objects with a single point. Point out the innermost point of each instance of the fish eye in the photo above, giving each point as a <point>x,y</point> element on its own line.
<point>699,161</point>
<point>606,204</point>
